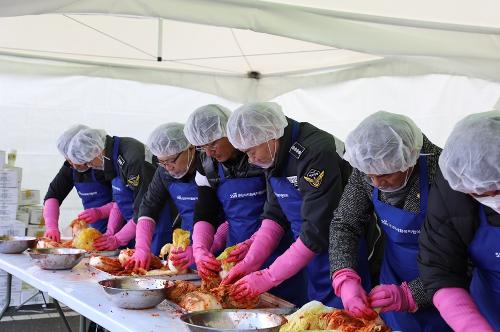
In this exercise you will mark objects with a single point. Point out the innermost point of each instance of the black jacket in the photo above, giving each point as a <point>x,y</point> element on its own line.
<point>63,182</point>
<point>354,219</point>
<point>450,226</point>
<point>320,175</point>
<point>136,167</point>
<point>157,195</point>
<point>208,207</point>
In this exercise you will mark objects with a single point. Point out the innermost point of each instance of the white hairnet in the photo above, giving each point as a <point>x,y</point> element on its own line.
<point>255,123</point>
<point>470,160</point>
<point>384,143</point>
<point>65,138</point>
<point>206,124</point>
<point>167,140</point>
<point>86,145</point>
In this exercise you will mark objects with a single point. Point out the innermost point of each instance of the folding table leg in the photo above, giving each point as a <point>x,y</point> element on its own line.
<point>7,295</point>
<point>26,301</point>
<point>61,314</point>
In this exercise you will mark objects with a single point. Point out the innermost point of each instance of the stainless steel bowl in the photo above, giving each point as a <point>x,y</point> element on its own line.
<point>233,320</point>
<point>57,258</point>
<point>16,244</point>
<point>135,293</point>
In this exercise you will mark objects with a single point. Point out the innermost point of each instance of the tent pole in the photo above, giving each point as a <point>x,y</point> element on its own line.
<point>160,39</point>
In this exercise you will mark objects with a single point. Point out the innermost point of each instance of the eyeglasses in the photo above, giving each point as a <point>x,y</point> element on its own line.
<point>165,163</point>
<point>209,147</point>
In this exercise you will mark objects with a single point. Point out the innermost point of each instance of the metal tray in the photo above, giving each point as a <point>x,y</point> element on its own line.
<point>268,302</point>
<point>188,276</point>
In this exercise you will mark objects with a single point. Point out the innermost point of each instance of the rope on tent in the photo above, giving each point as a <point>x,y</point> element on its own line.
<point>241,50</point>
<point>110,36</point>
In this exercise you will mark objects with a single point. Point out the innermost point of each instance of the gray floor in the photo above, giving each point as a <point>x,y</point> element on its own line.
<point>37,318</point>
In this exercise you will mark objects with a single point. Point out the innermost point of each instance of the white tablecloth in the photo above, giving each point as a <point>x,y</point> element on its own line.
<point>79,290</point>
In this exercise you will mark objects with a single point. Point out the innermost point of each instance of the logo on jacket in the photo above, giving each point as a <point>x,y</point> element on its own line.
<point>120,161</point>
<point>314,177</point>
<point>133,180</point>
<point>297,150</point>
<point>497,254</point>
<point>293,180</point>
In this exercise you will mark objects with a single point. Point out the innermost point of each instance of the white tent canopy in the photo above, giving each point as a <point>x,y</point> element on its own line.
<point>328,62</point>
<point>212,46</point>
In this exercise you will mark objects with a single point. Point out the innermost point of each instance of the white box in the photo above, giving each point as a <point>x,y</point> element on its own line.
<point>23,215</point>
<point>13,228</point>
<point>2,159</point>
<point>7,212</point>
<point>36,215</point>
<point>29,197</point>
<point>15,299</point>
<point>11,177</point>
<point>9,195</point>
<point>16,283</point>
<point>36,231</point>
<point>32,213</point>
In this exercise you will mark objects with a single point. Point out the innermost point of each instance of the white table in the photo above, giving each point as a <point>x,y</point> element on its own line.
<point>79,290</point>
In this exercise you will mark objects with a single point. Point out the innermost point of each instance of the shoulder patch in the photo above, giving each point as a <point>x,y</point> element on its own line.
<point>297,150</point>
<point>314,177</point>
<point>120,160</point>
<point>133,180</point>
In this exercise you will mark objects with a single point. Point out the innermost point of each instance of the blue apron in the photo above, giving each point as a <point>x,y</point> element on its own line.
<point>124,197</point>
<point>484,251</point>
<point>243,200</point>
<point>93,195</point>
<point>402,229</point>
<point>185,196</point>
<point>319,284</point>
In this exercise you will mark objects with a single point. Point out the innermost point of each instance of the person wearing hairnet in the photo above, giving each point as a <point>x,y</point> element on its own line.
<point>127,160</point>
<point>92,188</point>
<point>463,227</point>
<point>229,185</point>
<point>394,166</point>
<point>305,179</point>
<point>173,179</point>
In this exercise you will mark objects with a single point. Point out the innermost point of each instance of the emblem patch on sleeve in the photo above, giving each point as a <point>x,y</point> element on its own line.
<point>133,180</point>
<point>314,177</point>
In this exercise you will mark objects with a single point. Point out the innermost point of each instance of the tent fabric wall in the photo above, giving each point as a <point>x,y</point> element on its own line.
<point>35,110</point>
<point>471,49</point>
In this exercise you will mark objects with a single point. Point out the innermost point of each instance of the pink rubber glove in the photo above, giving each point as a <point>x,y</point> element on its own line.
<point>143,236</point>
<point>115,220</point>
<point>392,298</point>
<point>347,284</point>
<point>182,259</point>
<point>239,253</point>
<point>112,242</point>
<point>51,217</point>
<point>284,267</point>
<point>458,309</point>
<point>206,264</point>
<point>92,215</point>
<point>266,240</point>
<point>220,237</point>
